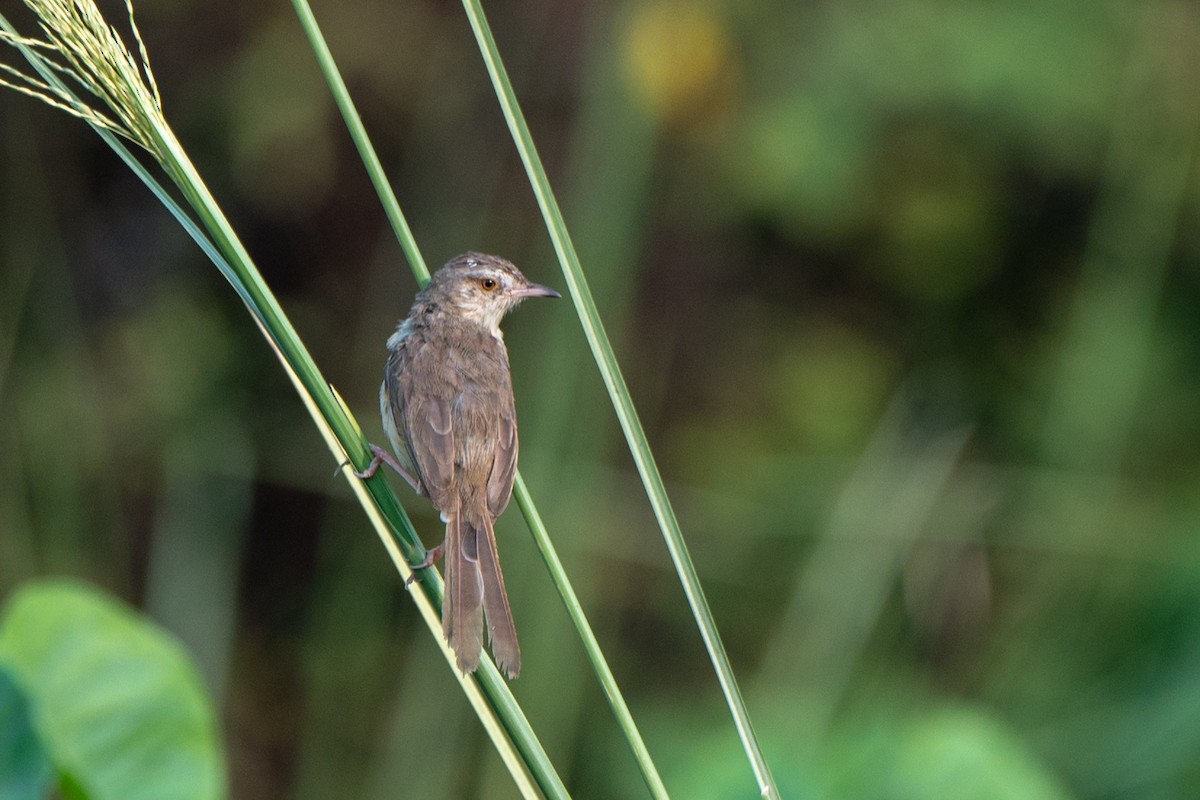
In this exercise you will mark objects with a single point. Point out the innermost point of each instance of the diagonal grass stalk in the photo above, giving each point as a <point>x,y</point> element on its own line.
<point>93,56</point>
<point>610,372</point>
<point>521,493</point>
<point>358,133</point>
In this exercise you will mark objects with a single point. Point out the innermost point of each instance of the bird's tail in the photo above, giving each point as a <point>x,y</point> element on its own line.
<point>475,586</point>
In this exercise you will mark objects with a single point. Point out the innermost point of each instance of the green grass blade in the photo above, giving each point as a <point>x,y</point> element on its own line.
<point>595,655</point>
<point>492,684</point>
<point>622,403</point>
<point>358,133</point>
<point>485,689</point>
<point>524,500</point>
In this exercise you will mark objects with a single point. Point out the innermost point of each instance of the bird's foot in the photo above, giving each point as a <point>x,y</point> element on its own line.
<point>381,456</point>
<point>431,555</point>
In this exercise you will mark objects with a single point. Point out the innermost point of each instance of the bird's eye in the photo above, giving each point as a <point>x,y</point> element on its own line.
<point>488,284</point>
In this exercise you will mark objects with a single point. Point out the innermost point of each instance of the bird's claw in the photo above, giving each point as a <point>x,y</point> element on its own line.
<point>431,555</point>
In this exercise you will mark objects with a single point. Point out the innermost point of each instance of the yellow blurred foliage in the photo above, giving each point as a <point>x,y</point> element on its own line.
<point>679,62</point>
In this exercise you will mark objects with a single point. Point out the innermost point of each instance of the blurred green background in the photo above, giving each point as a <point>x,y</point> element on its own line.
<point>907,294</point>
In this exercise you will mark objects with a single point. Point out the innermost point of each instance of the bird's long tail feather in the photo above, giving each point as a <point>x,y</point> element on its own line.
<point>502,634</point>
<point>462,604</point>
<point>475,587</point>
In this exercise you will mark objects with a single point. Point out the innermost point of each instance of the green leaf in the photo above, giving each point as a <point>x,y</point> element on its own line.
<point>25,770</point>
<point>118,704</point>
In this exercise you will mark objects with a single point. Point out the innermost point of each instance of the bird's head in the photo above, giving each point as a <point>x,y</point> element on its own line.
<point>482,288</point>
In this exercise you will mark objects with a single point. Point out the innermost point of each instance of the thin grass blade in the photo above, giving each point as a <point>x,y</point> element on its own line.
<point>608,683</point>
<point>610,372</point>
<point>358,133</point>
<point>524,500</point>
<point>486,689</point>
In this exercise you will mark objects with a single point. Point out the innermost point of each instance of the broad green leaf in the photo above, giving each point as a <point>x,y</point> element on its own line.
<point>25,771</point>
<point>119,707</point>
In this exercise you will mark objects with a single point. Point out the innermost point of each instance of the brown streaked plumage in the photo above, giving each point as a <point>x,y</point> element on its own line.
<point>447,408</point>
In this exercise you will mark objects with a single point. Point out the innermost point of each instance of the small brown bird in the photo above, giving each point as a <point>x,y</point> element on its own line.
<point>447,406</point>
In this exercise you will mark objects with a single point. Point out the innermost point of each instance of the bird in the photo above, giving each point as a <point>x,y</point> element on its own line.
<point>447,406</point>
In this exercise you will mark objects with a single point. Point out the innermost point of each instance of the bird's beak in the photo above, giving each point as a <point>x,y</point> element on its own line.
<point>534,290</point>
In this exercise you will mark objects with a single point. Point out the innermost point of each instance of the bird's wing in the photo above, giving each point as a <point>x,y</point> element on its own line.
<point>504,459</point>
<point>431,435</point>
<point>424,424</point>
<point>392,426</point>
